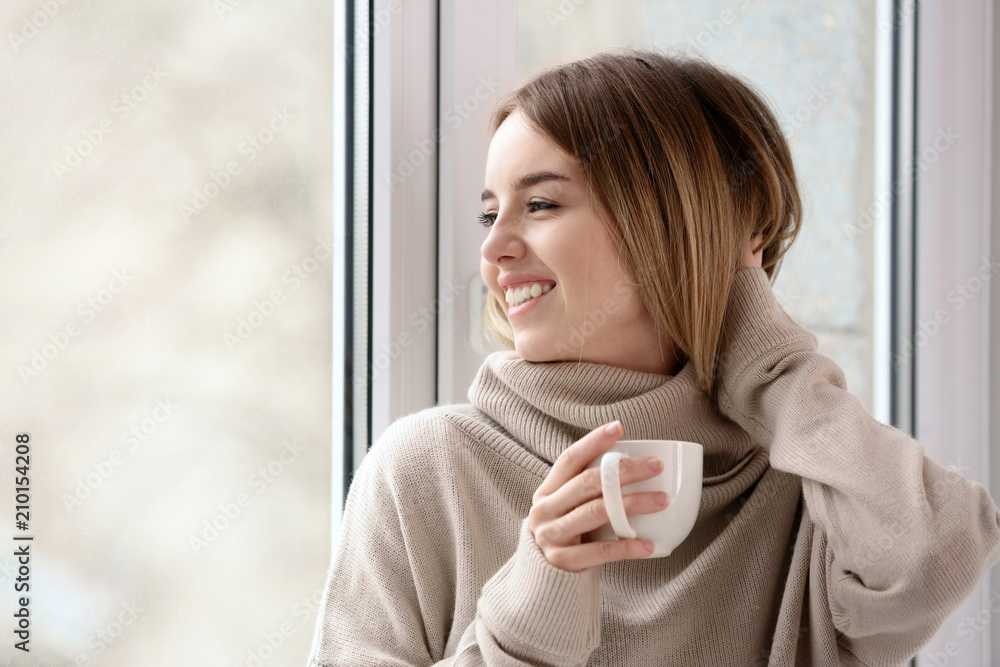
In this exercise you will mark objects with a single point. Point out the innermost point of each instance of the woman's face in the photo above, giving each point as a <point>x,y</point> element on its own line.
<point>543,229</point>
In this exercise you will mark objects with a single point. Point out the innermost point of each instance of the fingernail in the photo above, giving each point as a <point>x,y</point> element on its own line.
<point>660,498</point>
<point>654,463</point>
<point>612,428</point>
<point>647,546</point>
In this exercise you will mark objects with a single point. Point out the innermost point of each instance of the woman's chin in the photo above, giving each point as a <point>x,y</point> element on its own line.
<point>540,353</point>
<point>530,352</point>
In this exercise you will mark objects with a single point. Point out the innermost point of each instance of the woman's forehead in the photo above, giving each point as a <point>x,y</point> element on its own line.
<point>518,151</point>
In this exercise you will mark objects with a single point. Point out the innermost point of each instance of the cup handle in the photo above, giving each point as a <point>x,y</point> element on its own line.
<point>611,488</point>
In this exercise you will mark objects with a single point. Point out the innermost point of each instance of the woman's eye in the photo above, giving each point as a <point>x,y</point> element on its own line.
<point>535,206</point>
<point>488,219</point>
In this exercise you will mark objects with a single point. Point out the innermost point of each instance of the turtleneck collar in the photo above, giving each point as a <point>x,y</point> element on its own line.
<point>547,406</point>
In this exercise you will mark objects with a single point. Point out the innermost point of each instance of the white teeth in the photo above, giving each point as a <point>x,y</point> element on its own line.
<point>518,295</point>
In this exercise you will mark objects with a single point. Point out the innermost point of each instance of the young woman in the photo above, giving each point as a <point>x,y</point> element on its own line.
<point>643,203</point>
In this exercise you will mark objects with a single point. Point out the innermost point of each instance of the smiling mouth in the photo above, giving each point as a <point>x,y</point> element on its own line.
<point>526,292</point>
<point>528,305</point>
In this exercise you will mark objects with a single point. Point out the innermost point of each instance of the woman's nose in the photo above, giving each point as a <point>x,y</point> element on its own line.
<point>503,241</point>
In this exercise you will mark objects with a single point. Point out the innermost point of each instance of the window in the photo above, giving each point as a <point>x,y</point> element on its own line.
<point>895,154</point>
<point>815,64</point>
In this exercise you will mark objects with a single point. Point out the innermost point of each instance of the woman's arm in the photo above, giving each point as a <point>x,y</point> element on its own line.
<point>907,540</point>
<point>390,593</point>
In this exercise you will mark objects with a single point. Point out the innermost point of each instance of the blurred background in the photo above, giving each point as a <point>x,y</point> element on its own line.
<point>166,239</point>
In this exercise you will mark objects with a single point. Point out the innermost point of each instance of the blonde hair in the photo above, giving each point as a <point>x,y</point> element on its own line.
<point>684,163</point>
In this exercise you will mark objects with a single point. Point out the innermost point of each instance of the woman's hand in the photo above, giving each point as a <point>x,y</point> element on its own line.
<point>569,503</point>
<point>754,255</point>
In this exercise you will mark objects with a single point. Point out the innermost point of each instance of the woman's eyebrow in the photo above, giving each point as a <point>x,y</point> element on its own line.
<point>530,179</point>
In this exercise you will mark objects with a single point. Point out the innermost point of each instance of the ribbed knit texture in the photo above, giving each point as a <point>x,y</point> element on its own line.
<point>824,537</point>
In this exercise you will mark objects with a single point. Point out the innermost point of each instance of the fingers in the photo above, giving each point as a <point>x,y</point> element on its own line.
<point>587,485</point>
<point>582,556</point>
<point>578,456</point>
<point>594,514</point>
<point>569,503</point>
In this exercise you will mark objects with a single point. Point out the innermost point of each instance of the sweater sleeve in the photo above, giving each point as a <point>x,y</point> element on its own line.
<point>906,539</point>
<point>378,610</point>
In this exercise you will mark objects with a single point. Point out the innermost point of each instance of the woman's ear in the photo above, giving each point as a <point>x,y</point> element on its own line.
<point>754,254</point>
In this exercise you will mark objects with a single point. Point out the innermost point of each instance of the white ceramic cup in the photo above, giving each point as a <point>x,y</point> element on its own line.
<point>680,478</point>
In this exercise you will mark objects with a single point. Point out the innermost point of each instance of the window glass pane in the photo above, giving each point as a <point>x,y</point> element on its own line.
<point>814,62</point>
<point>165,222</point>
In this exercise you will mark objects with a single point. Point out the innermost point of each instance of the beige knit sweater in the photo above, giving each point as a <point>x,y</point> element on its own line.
<point>824,537</point>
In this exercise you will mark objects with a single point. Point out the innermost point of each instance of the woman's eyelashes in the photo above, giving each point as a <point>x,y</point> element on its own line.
<point>536,206</point>
<point>487,219</point>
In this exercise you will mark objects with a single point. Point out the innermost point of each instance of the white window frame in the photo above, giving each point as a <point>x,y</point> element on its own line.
<point>478,66</point>
<point>392,223</point>
<point>954,217</point>
<point>338,487</point>
<point>404,261</point>
<point>432,57</point>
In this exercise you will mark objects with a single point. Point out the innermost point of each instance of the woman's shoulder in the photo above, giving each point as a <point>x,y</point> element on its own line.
<point>418,438</point>
<point>447,436</point>
<point>426,432</point>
